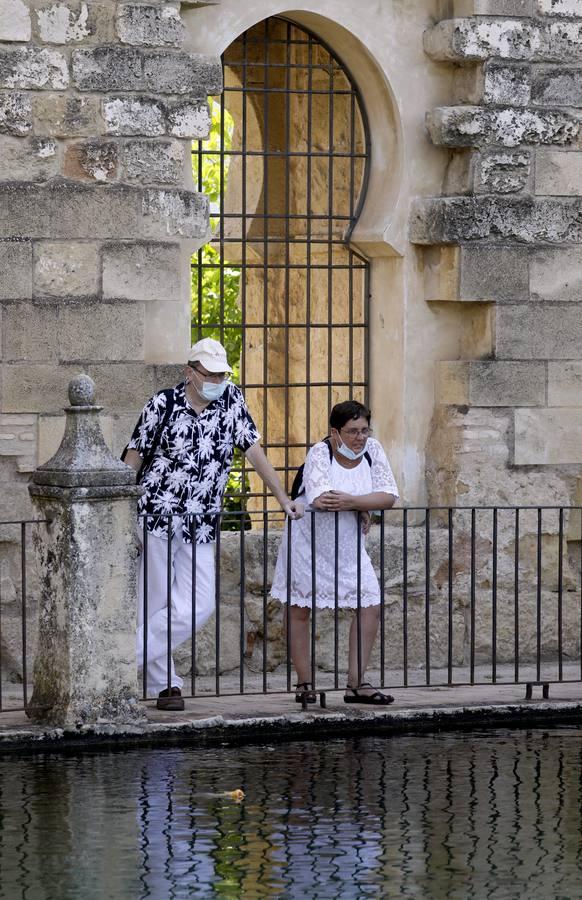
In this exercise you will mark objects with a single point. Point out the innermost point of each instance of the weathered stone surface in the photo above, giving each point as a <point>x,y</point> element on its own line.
<point>498,383</point>
<point>37,159</point>
<point>149,25</point>
<point>176,212</point>
<point>58,115</point>
<point>548,436</point>
<point>33,68</point>
<point>502,7</point>
<point>556,274</point>
<point>189,120</point>
<point>52,428</point>
<point>564,383</point>
<point>15,114</point>
<point>502,171</point>
<point>18,440</point>
<point>131,116</point>
<point>65,268</point>
<point>539,332</point>
<point>180,73</point>
<point>107,69</point>
<point>470,39</point>
<point>491,272</point>
<point>31,332</point>
<point>507,85</point>
<point>475,126</point>
<point>100,331</point>
<point>556,86</point>
<point>14,21</point>
<point>152,162</point>
<point>123,387</point>
<point>91,161</point>
<point>454,219</point>
<point>16,268</point>
<point>63,23</point>
<point>452,382</point>
<point>558,174</point>
<point>33,387</point>
<point>142,272</point>
<point>568,8</point>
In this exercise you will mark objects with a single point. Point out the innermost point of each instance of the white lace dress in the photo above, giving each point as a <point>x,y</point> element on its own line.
<point>321,475</point>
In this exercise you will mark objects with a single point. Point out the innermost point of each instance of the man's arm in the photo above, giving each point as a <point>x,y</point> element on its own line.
<point>263,468</point>
<point>133,459</point>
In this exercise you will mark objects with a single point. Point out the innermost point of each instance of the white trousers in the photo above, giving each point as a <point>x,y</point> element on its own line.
<point>181,603</point>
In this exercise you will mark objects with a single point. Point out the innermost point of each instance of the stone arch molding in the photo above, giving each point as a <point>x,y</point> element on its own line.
<point>382,221</point>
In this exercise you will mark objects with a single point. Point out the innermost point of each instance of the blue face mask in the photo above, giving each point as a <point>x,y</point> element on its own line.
<point>211,391</point>
<point>349,453</point>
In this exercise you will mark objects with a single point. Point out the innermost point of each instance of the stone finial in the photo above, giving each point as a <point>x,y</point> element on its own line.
<point>82,391</point>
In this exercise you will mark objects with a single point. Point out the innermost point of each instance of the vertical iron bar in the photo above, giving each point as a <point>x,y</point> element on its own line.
<point>145,609</point>
<point>266,229</point>
<point>287,244</point>
<point>405,595</point>
<point>289,576</point>
<point>382,600</point>
<point>560,590</point>
<point>265,594</point>
<point>169,603</point>
<point>450,599</point>
<point>350,253</point>
<point>194,594</point>
<point>359,597</point>
<point>243,275</point>
<point>0,637</point>
<point>472,659</point>
<point>24,600</point>
<point>218,525</point>
<point>308,242</point>
<point>539,598</point>
<point>313,596</point>
<point>330,239</point>
<point>242,589</point>
<point>336,602</point>
<point>516,597</point>
<point>427,593</point>
<point>494,603</point>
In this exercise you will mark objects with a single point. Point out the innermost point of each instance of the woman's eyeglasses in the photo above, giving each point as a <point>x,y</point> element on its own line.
<point>355,432</point>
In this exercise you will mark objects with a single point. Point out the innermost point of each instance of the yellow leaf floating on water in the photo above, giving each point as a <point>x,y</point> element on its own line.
<point>237,795</point>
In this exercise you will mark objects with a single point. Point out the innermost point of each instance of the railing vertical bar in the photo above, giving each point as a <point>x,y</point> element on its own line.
<point>516,599</point>
<point>382,602</point>
<point>539,597</point>
<point>313,596</point>
<point>560,591</point>
<point>194,590</point>
<point>359,597</point>
<point>169,604</point>
<point>472,600</point>
<point>0,636</point>
<point>241,602</point>
<point>450,524</point>
<point>288,629</point>
<point>494,602</point>
<point>336,601</point>
<point>405,596</point>
<point>24,601</point>
<point>580,604</point>
<point>145,608</point>
<point>427,594</point>
<point>218,525</point>
<point>265,594</point>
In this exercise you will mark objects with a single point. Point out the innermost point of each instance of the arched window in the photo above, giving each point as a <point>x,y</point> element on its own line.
<point>285,167</point>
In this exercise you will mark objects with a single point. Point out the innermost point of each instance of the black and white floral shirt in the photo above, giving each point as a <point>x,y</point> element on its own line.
<point>188,473</point>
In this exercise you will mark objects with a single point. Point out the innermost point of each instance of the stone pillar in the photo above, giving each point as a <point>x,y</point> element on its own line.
<point>85,667</point>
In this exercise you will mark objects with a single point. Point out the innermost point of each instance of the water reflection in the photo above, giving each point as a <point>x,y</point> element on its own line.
<point>461,816</point>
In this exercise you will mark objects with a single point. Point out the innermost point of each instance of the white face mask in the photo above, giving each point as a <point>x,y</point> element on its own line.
<point>209,390</point>
<point>349,453</point>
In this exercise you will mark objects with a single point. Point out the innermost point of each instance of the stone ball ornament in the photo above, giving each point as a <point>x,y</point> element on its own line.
<point>82,391</point>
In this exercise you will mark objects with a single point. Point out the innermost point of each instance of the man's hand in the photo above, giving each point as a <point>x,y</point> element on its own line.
<point>293,509</point>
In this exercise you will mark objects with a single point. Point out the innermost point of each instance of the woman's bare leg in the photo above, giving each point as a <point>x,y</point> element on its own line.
<point>369,621</point>
<point>299,639</point>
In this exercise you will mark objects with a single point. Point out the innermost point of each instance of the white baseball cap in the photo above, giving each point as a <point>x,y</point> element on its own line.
<point>211,354</point>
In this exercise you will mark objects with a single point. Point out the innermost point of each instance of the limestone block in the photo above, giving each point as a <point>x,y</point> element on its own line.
<point>107,69</point>
<point>498,383</point>
<point>152,162</point>
<point>166,376</point>
<point>548,437</point>
<point>14,21</point>
<point>556,86</point>
<point>502,171</point>
<point>564,41</point>
<point>176,212</point>
<point>63,23</point>
<point>181,73</point>
<point>58,115</point>
<point>149,25</point>
<point>475,126</point>
<point>36,159</point>
<point>507,85</point>
<point>101,331</point>
<point>189,120</point>
<point>65,269</point>
<point>502,7</point>
<point>556,274</point>
<point>52,428</point>
<point>568,8</point>
<point>539,332</point>
<point>491,272</point>
<point>565,384</point>
<point>132,116</point>
<point>16,268</point>
<point>478,39</point>
<point>30,332</point>
<point>167,331</point>
<point>441,273</point>
<point>123,387</point>
<point>142,272</point>
<point>15,114</point>
<point>558,174</point>
<point>91,161</point>
<point>18,440</point>
<point>34,387</point>
<point>452,384</point>
<point>455,219</point>
<point>33,68</point>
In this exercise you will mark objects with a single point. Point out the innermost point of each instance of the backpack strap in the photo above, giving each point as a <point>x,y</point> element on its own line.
<point>147,460</point>
<point>298,488</point>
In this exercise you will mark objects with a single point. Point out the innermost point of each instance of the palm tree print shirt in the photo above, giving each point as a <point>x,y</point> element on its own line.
<point>188,473</point>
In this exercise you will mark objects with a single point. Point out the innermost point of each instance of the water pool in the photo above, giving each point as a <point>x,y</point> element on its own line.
<point>495,814</point>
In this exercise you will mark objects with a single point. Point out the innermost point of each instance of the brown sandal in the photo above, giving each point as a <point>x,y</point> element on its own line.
<point>375,699</point>
<point>304,687</point>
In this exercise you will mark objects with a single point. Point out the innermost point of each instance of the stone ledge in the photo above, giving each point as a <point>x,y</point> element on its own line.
<point>478,126</point>
<point>451,220</point>
<point>470,40</point>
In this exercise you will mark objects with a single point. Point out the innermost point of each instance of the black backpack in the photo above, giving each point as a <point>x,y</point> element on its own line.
<point>297,486</point>
<point>169,395</point>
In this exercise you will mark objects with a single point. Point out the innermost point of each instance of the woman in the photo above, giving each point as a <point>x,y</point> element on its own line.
<point>349,474</point>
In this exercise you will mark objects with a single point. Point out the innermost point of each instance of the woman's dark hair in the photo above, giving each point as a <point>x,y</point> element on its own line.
<point>349,409</point>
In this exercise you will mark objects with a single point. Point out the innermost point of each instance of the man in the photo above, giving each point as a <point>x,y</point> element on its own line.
<point>184,443</point>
